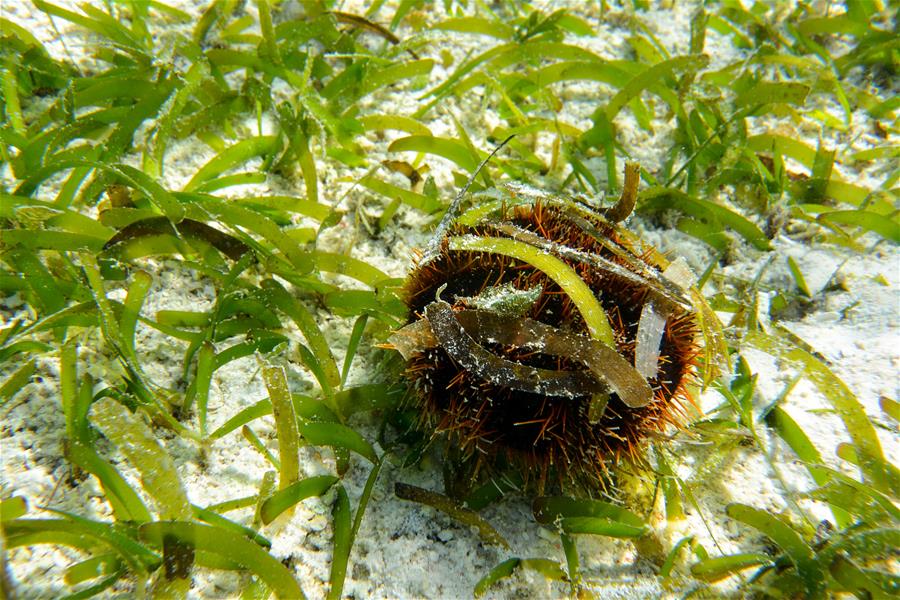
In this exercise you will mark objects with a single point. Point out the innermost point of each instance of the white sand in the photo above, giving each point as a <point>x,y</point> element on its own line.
<point>407,551</point>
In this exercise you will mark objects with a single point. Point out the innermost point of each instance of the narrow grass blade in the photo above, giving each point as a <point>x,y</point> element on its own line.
<point>131,310</point>
<point>343,543</point>
<point>227,181</point>
<point>104,27</point>
<point>492,491</point>
<point>651,77</point>
<point>888,406</point>
<point>390,75</point>
<point>46,295</point>
<point>286,498</point>
<point>231,157</point>
<point>798,277</point>
<point>268,32</point>
<point>477,25</point>
<point>349,266</point>
<point>365,497</point>
<point>49,240</point>
<point>658,198</point>
<point>208,516</point>
<point>285,424</point>
<point>716,355</point>
<point>418,201</point>
<point>266,489</point>
<point>447,148</point>
<point>240,217</point>
<point>125,502</point>
<point>587,516</point>
<point>74,403</point>
<point>313,409</point>
<point>12,508</point>
<point>790,432</point>
<point>314,210</point>
<point>338,436</point>
<point>279,297</point>
<point>81,533</point>
<point>12,29</point>
<point>886,227</point>
<point>452,508</point>
<point>94,567</point>
<point>857,499</point>
<point>21,346</point>
<point>234,504</point>
<point>108,321</point>
<point>838,394</point>
<point>83,314</point>
<point>371,396</point>
<point>97,588</point>
<point>720,567</point>
<point>396,122</point>
<point>202,380</point>
<point>158,474</point>
<point>665,571</point>
<point>195,76</point>
<point>359,327</point>
<point>231,546</point>
<point>768,92</point>
<point>849,453</point>
<point>15,382</point>
<point>449,83</point>
<point>594,316</point>
<point>794,436</point>
<point>310,361</point>
<point>671,488</point>
<point>351,303</point>
<point>13,107</point>
<point>160,196</point>
<point>573,563</point>
<point>259,341</point>
<point>255,411</point>
<point>875,583</point>
<point>548,568</point>
<point>501,571</point>
<point>601,526</point>
<point>787,539</point>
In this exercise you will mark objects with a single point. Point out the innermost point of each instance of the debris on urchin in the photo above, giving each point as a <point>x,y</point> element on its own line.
<point>544,338</point>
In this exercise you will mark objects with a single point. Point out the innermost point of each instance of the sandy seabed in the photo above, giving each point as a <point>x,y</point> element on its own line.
<point>408,551</point>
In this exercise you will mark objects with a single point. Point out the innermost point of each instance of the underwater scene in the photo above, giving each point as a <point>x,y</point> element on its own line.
<point>402,299</point>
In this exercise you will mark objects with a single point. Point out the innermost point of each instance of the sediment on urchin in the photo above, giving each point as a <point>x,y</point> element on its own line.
<point>550,440</point>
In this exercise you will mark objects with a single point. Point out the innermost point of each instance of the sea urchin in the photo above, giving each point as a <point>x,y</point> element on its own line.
<point>544,338</point>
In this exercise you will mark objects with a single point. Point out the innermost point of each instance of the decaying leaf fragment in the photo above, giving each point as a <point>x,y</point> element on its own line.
<point>459,334</point>
<point>462,348</point>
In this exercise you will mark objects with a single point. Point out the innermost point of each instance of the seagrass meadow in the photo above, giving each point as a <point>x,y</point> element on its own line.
<point>239,334</point>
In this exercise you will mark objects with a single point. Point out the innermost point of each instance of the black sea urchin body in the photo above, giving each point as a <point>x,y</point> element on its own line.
<point>490,405</point>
